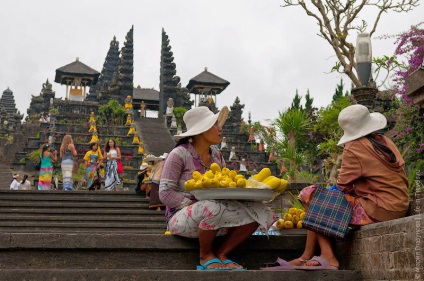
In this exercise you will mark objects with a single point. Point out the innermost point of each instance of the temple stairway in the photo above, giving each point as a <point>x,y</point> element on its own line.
<point>155,135</point>
<point>81,235</point>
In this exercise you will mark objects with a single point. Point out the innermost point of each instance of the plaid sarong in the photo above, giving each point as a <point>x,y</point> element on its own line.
<point>329,213</point>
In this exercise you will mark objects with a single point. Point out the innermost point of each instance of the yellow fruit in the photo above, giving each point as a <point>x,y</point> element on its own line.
<point>223,184</point>
<point>215,183</point>
<point>288,217</point>
<point>167,232</point>
<point>241,182</point>
<point>215,168</point>
<point>288,224</point>
<point>280,224</point>
<point>299,224</point>
<point>292,211</point>
<point>198,184</point>
<point>295,219</point>
<point>263,174</point>
<point>237,177</point>
<point>189,185</point>
<point>232,184</point>
<point>218,176</point>
<point>209,174</point>
<point>196,175</point>
<point>302,215</point>
<point>272,182</point>
<point>232,174</point>
<point>299,212</point>
<point>225,171</point>
<point>206,182</point>
<point>283,185</point>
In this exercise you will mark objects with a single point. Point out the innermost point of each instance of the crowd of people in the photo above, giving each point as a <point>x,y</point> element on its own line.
<point>372,179</point>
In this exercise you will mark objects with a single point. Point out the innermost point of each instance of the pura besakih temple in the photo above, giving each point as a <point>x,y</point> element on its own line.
<point>40,105</point>
<point>77,76</point>
<point>145,99</point>
<point>238,151</point>
<point>10,117</point>
<point>170,86</point>
<point>123,81</point>
<point>110,66</point>
<point>205,87</point>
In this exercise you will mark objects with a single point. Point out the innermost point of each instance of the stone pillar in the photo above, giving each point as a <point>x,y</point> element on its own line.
<point>365,96</point>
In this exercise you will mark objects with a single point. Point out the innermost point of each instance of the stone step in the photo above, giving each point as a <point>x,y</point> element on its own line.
<point>71,204</point>
<point>126,250</point>
<point>87,211</point>
<point>65,217</point>
<point>181,275</point>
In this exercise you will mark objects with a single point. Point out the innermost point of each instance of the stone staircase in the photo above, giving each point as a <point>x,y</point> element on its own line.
<point>55,235</point>
<point>155,135</point>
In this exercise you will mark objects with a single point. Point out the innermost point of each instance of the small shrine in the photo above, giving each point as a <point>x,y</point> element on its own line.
<point>415,86</point>
<point>10,117</point>
<point>205,87</point>
<point>77,77</point>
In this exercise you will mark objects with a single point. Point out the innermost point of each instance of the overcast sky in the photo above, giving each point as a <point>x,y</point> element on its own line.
<point>266,52</point>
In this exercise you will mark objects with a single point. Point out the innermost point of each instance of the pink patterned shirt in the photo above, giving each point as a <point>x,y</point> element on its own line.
<point>178,168</point>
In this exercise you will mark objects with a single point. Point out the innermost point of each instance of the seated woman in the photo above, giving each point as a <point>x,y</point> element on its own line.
<point>196,151</point>
<point>372,177</point>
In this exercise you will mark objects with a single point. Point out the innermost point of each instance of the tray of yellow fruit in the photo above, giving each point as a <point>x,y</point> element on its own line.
<point>224,183</point>
<point>235,193</point>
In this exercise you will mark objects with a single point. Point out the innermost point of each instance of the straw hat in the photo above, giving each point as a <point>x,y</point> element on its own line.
<point>356,121</point>
<point>143,166</point>
<point>200,119</point>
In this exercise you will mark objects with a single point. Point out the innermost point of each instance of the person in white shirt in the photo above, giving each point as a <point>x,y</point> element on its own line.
<point>15,185</point>
<point>25,184</point>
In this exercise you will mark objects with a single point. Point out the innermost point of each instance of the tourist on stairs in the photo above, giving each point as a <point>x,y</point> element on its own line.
<point>67,153</point>
<point>113,153</point>
<point>92,161</point>
<point>25,183</point>
<point>46,170</point>
<point>15,185</point>
<point>206,219</point>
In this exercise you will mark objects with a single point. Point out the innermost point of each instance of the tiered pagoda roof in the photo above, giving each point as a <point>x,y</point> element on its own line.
<point>7,101</point>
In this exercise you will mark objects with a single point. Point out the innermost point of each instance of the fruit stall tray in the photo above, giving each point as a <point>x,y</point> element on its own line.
<point>237,193</point>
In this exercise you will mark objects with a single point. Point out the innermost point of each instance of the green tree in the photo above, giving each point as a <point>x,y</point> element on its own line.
<point>327,126</point>
<point>112,113</point>
<point>296,101</point>
<point>179,113</point>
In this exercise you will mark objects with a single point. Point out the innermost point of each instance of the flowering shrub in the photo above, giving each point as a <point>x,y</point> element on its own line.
<point>408,133</point>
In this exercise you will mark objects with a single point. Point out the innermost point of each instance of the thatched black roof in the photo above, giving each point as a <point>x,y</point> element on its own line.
<point>145,94</point>
<point>207,79</point>
<point>76,69</point>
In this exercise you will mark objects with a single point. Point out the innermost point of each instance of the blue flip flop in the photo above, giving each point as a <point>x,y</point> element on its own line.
<point>205,265</point>
<point>233,262</point>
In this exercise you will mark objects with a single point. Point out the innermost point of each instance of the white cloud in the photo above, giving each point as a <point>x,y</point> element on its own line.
<point>265,51</point>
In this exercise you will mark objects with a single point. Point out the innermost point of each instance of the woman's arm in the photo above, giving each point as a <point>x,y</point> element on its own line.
<point>53,156</point>
<point>118,151</point>
<point>171,175</point>
<point>350,171</point>
<point>61,152</point>
<point>71,147</point>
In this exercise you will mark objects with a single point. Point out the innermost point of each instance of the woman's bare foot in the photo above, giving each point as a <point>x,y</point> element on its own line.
<point>298,262</point>
<point>230,264</point>
<point>211,265</point>
<point>331,260</point>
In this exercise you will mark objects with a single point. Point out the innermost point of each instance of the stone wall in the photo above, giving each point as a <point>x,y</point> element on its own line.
<point>391,250</point>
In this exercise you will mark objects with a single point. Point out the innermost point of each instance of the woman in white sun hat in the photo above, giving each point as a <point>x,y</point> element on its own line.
<point>195,151</point>
<point>372,177</point>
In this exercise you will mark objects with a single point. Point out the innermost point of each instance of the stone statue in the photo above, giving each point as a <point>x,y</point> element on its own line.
<point>173,122</point>
<point>92,117</point>
<point>140,149</point>
<point>243,165</point>
<point>271,155</point>
<point>129,120</point>
<point>142,109</point>
<point>132,130</point>
<point>92,126</point>
<point>232,154</point>
<point>128,103</point>
<point>170,107</point>
<point>224,143</point>
<point>94,138</point>
<point>136,139</point>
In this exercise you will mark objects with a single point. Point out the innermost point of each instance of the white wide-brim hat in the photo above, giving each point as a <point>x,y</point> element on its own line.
<point>200,119</point>
<point>356,121</point>
<point>15,176</point>
<point>144,166</point>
